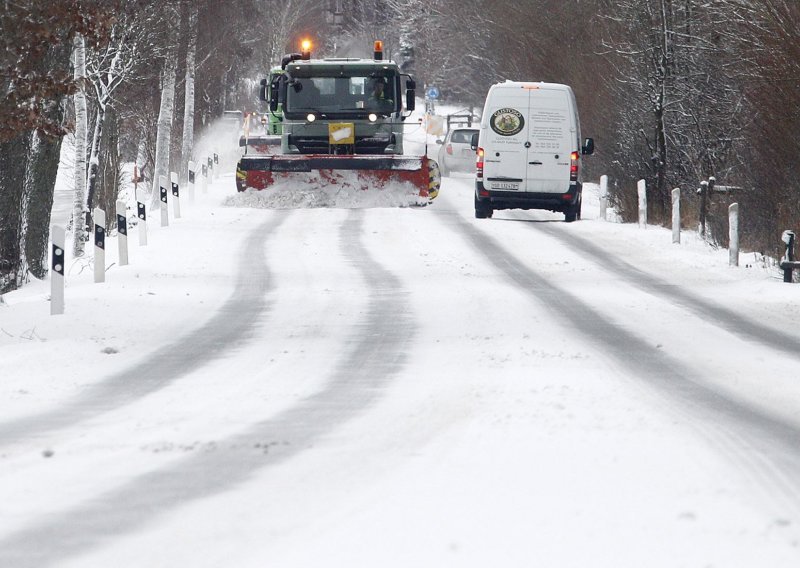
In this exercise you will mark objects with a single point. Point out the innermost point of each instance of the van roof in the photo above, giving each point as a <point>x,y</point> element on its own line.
<point>532,85</point>
<point>540,84</point>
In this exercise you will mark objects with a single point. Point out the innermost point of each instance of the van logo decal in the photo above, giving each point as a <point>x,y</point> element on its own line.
<point>507,121</point>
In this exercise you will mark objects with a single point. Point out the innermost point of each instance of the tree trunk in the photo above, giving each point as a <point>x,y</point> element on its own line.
<point>164,134</point>
<point>94,164</point>
<point>188,107</point>
<point>42,172</point>
<point>81,128</point>
<point>13,163</point>
<point>109,174</point>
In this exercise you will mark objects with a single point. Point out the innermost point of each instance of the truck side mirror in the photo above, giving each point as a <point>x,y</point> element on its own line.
<point>274,92</point>
<point>473,143</point>
<point>588,147</point>
<point>262,91</point>
<point>411,94</point>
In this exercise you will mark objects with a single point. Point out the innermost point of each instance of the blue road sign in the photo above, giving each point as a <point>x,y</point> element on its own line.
<point>432,93</point>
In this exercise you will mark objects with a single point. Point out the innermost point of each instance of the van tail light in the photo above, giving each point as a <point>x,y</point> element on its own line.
<point>479,163</point>
<point>573,166</point>
<point>449,149</point>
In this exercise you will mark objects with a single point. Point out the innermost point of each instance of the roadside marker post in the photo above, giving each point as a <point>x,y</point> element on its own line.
<point>204,173</point>
<point>603,196</point>
<point>141,213</point>
<point>162,187</point>
<point>99,217</point>
<point>676,215</point>
<point>642,191</point>
<point>210,168</point>
<point>733,234</point>
<point>216,165</point>
<point>191,180</point>
<point>122,232</point>
<point>176,195</point>
<point>57,259</point>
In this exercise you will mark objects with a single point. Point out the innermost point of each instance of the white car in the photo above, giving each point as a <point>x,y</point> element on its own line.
<point>456,153</point>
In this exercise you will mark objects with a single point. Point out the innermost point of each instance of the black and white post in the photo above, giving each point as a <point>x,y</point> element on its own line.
<point>162,188</point>
<point>190,177</point>
<point>733,234</point>
<point>204,173</point>
<point>210,168</point>
<point>788,263</point>
<point>176,195</point>
<point>122,232</point>
<point>216,165</point>
<point>141,214</point>
<point>99,244</point>
<point>603,196</point>
<point>642,190</point>
<point>676,215</point>
<point>57,270</point>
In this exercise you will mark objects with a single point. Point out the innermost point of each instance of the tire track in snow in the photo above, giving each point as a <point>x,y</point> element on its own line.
<point>716,315</point>
<point>377,353</point>
<point>765,446</point>
<point>232,325</point>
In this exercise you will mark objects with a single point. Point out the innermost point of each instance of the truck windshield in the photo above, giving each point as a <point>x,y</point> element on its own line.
<point>342,94</point>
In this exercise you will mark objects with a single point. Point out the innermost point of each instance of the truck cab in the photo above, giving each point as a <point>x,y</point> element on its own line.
<point>342,105</point>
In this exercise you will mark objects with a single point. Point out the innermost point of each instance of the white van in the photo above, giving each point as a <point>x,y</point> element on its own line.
<point>529,150</point>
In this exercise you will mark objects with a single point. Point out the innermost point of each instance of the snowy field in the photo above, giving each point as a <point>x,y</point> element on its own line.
<point>402,387</point>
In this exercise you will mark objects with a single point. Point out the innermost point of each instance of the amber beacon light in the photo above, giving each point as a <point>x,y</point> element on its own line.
<point>305,48</point>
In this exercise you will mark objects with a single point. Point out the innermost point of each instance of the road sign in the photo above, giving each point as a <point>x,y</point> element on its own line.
<point>432,93</point>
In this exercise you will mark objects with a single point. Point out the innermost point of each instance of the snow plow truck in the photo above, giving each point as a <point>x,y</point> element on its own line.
<point>342,126</point>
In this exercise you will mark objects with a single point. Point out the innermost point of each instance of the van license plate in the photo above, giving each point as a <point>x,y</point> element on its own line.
<point>504,185</point>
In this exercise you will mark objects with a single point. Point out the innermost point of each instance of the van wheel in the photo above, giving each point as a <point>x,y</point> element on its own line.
<point>482,210</point>
<point>574,212</point>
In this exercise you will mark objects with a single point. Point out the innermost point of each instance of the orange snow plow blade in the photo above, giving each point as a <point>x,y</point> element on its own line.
<point>417,176</point>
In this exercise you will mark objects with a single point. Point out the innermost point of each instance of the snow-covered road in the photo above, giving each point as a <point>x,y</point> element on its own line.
<point>403,387</point>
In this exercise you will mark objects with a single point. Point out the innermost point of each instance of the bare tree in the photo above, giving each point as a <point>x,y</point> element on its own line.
<point>35,78</point>
<point>80,235</point>
<point>165,118</point>
<point>190,13</point>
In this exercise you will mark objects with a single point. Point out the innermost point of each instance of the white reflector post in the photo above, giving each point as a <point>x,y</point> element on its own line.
<point>216,165</point>
<point>733,234</point>
<point>676,215</point>
<point>603,196</point>
<point>57,259</point>
<point>210,168</point>
<point>205,178</point>
<point>191,179</point>
<point>99,217</point>
<point>122,232</point>
<point>176,195</point>
<point>162,188</point>
<point>141,214</point>
<point>642,189</point>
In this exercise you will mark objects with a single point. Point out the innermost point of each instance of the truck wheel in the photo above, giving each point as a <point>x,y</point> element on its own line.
<point>482,209</point>
<point>574,212</point>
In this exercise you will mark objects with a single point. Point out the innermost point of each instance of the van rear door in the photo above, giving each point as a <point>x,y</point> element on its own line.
<point>550,138</point>
<point>506,158</point>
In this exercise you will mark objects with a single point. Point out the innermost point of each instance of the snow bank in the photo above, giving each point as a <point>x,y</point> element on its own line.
<point>311,189</point>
